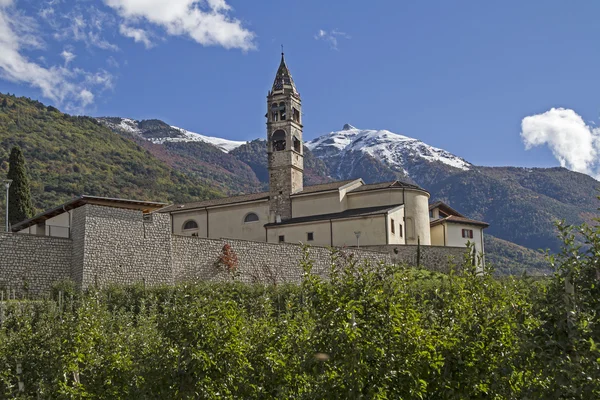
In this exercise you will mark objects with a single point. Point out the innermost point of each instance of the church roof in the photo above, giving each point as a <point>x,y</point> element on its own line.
<point>144,206</point>
<point>386,185</point>
<point>283,79</point>
<point>445,208</point>
<point>460,220</point>
<point>324,187</point>
<point>453,216</point>
<point>244,198</point>
<point>351,213</point>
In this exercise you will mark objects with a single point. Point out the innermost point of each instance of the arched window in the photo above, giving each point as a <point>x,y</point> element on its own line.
<point>251,217</point>
<point>191,224</point>
<point>274,112</point>
<point>282,110</point>
<point>296,115</point>
<point>297,144</point>
<point>278,140</point>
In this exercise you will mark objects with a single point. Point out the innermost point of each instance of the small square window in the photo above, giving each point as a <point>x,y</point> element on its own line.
<point>310,236</point>
<point>281,238</point>
<point>467,233</point>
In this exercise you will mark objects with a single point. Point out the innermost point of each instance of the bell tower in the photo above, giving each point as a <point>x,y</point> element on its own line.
<point>284,143</point>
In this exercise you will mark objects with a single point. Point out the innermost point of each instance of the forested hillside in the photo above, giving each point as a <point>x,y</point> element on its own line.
<point>69,156</point>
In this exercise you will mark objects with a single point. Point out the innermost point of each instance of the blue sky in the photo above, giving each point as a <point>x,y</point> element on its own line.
<point>466,76</point>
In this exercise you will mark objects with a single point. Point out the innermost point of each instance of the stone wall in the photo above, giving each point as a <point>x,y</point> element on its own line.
<point>433,258</point>
<point>198,259</point>
<point>114,245</point>
<point>30,264</point>
<point>119,246</point>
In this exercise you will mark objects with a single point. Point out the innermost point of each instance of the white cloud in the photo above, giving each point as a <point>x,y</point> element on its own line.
<point>138,35</point>
<point>86,97</point>
<point>210,26</point>
<point>575,144</point>
<point>331,37</point>
<point>71,88</point>
<point>68,56</point>
<point>81,24</point>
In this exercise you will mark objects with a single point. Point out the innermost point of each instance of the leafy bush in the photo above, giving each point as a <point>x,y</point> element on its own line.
<point>369,331</point>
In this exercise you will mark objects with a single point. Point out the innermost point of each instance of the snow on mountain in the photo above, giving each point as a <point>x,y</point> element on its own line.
<point>187,136</point>
<point>391,148</point>
<point>169,133</point>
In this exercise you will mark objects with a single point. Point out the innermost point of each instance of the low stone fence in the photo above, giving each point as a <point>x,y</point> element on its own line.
<point>30,264</point>
<point>433,258</point>
<point>199,259</point>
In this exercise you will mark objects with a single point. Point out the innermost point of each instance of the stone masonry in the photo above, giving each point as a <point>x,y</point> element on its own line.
<point>29,264</point>
<point>433,258</point>
<point>115,245</point>
<point>198,259</point>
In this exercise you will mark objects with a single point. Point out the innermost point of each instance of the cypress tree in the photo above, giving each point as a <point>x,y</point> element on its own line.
<point>19,207</point>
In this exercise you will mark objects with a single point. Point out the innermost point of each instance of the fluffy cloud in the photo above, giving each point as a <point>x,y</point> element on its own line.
<point>210,25</point>
<point>331,37</point>
<point>138,35</point>
<point>575,144</point>
<point>70,88</point>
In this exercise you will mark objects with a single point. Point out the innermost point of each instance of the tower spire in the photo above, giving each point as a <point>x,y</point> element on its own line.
<point>283,80</point>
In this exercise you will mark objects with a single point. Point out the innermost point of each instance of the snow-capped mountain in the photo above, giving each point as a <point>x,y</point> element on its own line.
<point>158,132</point>
<point>398,152</point>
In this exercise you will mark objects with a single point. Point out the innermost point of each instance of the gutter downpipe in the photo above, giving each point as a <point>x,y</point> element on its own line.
<point>387,234</point>
<point>331,231</point>
<point>207,225</point>
<point>65,210</point>
<point>444,226</point>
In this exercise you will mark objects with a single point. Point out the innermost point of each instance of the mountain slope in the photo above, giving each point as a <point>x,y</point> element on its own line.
<point>234,167</point>
<point>401,154</point>
<point>69,156</point>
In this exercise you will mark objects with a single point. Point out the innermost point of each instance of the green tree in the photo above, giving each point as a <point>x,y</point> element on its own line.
<point>19,207</point>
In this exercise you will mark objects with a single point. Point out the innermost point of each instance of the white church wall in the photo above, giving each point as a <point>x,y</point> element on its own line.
<point>454,236</point>
<point>372,231</point>
<point>437,235</point>
<point>397,234</point>
<point>299,233</point>
<point>316,204</point>
<point>416,209</point>
<point>225,222</point>
<point>198,216</point>
<point>375,198</point>
<point>228,222</point>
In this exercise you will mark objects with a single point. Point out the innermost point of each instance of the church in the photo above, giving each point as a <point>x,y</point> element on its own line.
<point>97,240</point>
<point>346,213</point>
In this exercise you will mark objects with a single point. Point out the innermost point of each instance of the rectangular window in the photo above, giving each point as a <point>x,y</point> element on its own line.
<point>430,213</point>
<point>310,236</point>
<point>467,233</point>
<point>281,238</point>
<point>400,230</point>
<point>393,226</point>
